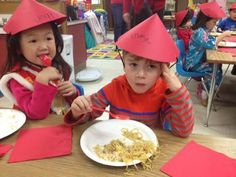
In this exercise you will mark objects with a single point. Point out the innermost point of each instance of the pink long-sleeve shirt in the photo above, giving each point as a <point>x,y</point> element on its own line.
<point>36,102</point>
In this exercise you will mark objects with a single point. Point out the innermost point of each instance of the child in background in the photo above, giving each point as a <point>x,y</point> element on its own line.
<point>229,24</point>
<point>34,42</point>
<point>200,41</point>
<point>183,25</point>
<point>119,24</point>
<point>149,91</point>
<point>135,11</point>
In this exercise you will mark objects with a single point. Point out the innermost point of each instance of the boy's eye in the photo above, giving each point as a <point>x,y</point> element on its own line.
<point>132,64</point>
<point>152,66</point>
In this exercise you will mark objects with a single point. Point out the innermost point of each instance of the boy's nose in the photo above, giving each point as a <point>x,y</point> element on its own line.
<point>141,73</point>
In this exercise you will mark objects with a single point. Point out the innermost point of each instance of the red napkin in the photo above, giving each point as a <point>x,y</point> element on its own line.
<point>39,143</point>
<point>230,50</point>
<point>195,160</point>
<point>230,39</point>
<point>4,148</point>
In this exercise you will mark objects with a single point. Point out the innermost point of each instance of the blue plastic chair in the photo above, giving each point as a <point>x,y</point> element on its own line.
<point>79,87</point>
<point>180,68</point>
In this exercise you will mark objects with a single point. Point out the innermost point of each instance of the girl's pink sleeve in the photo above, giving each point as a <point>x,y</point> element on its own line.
<point>35,104</point>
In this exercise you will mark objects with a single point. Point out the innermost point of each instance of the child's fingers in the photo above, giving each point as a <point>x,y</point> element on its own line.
<point>81,104</point>
<point>165,68</point>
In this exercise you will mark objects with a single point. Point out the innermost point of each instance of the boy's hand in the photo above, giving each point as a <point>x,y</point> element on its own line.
<point>66,88</point>
<point>81,105</point>
<point>170,78</point>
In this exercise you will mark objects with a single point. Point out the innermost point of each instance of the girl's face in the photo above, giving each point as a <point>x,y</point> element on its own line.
<point>141,73</point>
<point>232,14</point>
<point>210,24</point>
<point>188,24</point>
<point>38,41</point>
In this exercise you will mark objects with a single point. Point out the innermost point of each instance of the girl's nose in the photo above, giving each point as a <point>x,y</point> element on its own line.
<point>43,46</point>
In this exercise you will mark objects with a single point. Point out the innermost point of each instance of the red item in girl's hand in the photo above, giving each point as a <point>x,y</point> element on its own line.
<point>47,61</point>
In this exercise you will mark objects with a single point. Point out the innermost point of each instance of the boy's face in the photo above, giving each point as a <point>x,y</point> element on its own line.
<point>38,41</point>
<point>141,73</point>
<point>232,14</point>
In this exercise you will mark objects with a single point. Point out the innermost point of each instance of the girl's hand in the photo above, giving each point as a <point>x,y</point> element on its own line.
<point>222,36</point>
<point>226,33</point>
<point>81,105</point>
<point>170,78</point>
<point>48,74</point>
<point>66,88</point>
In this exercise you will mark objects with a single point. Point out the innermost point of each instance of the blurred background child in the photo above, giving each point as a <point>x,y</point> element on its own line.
<point>136,11</point>
<point>148,91</point>
<point>229,24</point>
<point>117,13</point>
<point>36,76</point>
<point>200,41</point>
<point>184,25</point>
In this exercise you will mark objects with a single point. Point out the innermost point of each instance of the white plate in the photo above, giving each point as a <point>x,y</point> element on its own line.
<point>215,34</point>
<point>103,132</point>
<point>10,121</point>
<point>226,44</point>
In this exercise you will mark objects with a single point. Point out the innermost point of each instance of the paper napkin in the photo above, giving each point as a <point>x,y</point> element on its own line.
<point>39,143</point>
<point>4,148</point>
<point>195,160</point>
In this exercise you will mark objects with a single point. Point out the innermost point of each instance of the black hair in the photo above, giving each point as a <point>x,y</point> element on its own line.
<point>14,55</point>
<point>187,17</point>
<point>201,21</point>
<point>231,10</point>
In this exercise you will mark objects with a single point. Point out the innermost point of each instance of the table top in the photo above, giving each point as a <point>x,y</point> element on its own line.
<point>214,56</point>
<point>78,164</point>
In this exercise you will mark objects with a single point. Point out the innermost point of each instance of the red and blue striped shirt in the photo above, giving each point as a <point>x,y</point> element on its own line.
<point>154,108</point>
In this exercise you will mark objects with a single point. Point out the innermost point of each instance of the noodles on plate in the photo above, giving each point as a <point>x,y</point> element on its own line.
<point>132,147</point>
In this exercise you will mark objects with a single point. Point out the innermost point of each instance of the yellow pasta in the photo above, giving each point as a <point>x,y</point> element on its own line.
<point>138,149</point>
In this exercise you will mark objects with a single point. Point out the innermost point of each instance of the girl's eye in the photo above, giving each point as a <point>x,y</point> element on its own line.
<point>33,41</point>
<point>49,38</point>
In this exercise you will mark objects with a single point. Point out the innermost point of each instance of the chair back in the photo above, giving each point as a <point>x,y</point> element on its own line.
<point>179,65</point>
<point>79,88</point>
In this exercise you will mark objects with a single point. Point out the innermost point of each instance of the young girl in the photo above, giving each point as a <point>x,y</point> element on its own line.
<point>31,82</point>
<point>200,41</point>
<point>148,91</point>
<point>183,26</point>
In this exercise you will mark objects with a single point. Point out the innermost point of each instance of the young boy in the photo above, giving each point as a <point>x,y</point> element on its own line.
<point>229,24</point>
<point>148,91</point>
